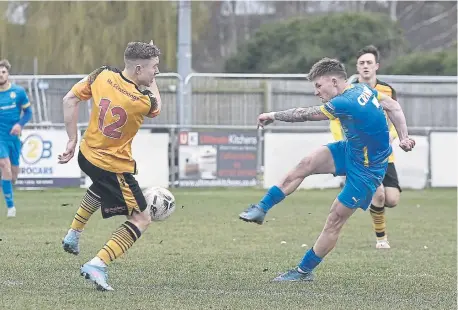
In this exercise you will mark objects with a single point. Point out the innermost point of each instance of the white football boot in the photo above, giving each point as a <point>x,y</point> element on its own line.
<point>11,212</point>
<point>382,244</point>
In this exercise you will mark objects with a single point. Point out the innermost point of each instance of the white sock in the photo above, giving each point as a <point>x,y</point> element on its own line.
<point>300,270</point>
<point>97,262</point>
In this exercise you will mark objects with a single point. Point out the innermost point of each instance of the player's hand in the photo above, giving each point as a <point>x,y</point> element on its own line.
<point>265,119</point>
<point>69,152</point>
<point>407,144</point>
<point>16,130</point>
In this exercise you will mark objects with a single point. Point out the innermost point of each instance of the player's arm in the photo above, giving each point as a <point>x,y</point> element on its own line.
<point>81,91</point>
<point>26,116</point>
<point>26,109</point>
<point>294,115</point>
<point>395,114</point>
<point>300,115</point>
<point>393,132</point>
<point>71,102</point>
<point>155,98</point>
<point>330,110</point>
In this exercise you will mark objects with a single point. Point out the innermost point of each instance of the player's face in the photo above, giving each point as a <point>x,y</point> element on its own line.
<point>367,66</point>
<point>4,74</point>
<point>326,87</point>
<point>147,71</point>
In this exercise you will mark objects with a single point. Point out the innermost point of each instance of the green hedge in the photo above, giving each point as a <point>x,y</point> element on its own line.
<point>425,63</point>
<point>294,45</point>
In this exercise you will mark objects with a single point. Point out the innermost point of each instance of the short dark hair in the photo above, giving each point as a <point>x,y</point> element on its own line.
<point>370,49</point>
<point>141,50</point>
<point>327,66</point>
<point>5,63</point>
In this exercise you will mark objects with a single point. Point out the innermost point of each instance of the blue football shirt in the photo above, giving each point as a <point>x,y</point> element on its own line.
<point>363,122</point>
<point>12,101</point>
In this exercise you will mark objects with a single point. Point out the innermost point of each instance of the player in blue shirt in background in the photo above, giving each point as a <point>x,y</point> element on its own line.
<point>363,157</point>
<point>13,101</point>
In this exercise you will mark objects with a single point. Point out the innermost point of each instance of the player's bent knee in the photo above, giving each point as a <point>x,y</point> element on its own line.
<point>391,203</point>
<point>302,169</point>
<point>379,198</point>
<point>334,222</point>
<point>5,163</point>
<point>297,174</point>
<point>310,165</point>
<point>337,217</point>
<point>5,167</point>
<point>392,197</point>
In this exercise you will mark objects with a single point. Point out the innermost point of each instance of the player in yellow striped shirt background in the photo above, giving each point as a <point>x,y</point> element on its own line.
<point>388,194</point>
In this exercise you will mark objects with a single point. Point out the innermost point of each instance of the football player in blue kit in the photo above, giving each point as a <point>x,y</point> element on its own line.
<point>362,157</point>
<point>13,103</point>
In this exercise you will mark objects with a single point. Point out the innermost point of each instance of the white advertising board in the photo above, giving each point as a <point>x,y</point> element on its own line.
<point>151,152</point>
<point>38,165</point>
<point>412,167</point>
<point>443,159</point>
<point>282,151</point>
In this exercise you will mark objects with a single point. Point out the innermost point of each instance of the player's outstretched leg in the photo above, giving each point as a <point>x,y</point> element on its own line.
<point>318,162</point>
<point>325,243</point>
<point>7,183</point>
<point>122,239</point>
<point>89,204</point>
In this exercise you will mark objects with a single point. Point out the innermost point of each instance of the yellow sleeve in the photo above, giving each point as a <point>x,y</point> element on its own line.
<point>336,129</point>
<point>82,89</point>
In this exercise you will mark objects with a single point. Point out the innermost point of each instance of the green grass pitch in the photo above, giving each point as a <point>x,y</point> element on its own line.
<point>203,257</point>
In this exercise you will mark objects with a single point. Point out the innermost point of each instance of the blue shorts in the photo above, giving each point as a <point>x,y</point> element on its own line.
<point>361,182</point>
<point>11,149</point>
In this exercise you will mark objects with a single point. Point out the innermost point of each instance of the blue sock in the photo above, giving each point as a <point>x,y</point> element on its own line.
<point>7,187</point>
<point>273,196</point>
<point>310,261</point>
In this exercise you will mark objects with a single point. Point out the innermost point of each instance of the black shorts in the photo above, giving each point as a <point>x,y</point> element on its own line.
<point>391,177</point>
<point>120,193</point>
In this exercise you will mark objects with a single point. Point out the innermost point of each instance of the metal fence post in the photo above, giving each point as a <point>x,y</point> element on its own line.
<point>173,156</point>
<point>429,174</point>
<point>267,96</point>
<point>259,159</point>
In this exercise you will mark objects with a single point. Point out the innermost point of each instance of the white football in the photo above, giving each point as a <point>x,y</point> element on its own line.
<point>160,201</point>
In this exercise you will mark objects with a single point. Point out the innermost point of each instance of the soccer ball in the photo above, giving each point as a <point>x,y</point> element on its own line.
<point>160,202</point>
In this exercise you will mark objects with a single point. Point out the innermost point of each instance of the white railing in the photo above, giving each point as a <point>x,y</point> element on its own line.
<point>236,99</point>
